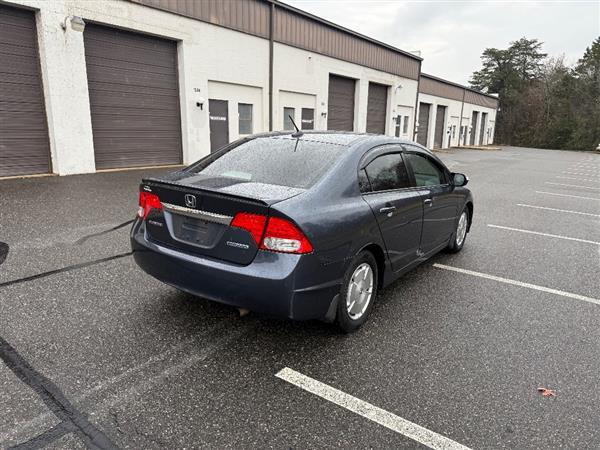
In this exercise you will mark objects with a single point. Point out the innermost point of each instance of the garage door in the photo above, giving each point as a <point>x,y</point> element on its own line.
<point>340,111</point>
<point>482,141</point>
<point>440,119</point>
<point>473,127</point>
<point>423,123</point>
<point>134,98</point>
<point>24,146</point>
<point>376,108</point>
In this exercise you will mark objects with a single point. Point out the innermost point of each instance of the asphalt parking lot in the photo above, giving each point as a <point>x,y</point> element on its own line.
<point>96,353</point>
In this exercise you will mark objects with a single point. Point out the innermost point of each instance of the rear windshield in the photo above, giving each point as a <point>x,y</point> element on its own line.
<point>281,161</point>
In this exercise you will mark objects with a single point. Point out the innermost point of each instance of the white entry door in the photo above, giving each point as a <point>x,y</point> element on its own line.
<point>404,121</point>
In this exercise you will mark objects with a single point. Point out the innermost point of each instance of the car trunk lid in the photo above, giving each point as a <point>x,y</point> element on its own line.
<point>196,217</point>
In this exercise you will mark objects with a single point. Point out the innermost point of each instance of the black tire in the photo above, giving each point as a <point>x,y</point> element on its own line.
<point>343,319</point>
<point>454,246</point>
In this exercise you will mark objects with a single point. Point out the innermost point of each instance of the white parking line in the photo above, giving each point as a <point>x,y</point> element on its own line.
<point>545,234</point>
<point>519,283</point>
<point>559,210</point>
<point>573,185</point>
<point>567,195</point>
<point>578,179</point>
<point>369,411</point>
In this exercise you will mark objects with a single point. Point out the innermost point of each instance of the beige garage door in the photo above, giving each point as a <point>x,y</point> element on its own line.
<point>134,98</point>
<point>24,146</point>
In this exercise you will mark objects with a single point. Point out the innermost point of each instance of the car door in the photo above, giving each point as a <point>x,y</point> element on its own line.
<point>439,201</point>
<point>397,206</point>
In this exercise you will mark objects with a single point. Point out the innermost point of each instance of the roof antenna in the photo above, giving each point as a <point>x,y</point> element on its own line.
<point>298,133</point>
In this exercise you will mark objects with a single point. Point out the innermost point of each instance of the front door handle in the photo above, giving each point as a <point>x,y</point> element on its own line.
<point>387,209</point>
<point>428,202</point>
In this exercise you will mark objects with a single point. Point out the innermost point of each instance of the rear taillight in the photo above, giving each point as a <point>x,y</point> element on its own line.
<point>283,236</point>
<point>280,235</point>
<point>148,202</point>
<point>252,223</point>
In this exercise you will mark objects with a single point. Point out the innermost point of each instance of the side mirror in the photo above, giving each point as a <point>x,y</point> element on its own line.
<point>459,179</point>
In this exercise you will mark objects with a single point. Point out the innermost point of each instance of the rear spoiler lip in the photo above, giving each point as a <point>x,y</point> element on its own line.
<point>158,181</point>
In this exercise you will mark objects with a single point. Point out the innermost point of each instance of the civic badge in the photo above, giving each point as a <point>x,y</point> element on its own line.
<point>190,200</point>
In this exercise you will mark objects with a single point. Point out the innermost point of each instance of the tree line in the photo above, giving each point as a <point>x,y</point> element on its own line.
<point>543,102</point>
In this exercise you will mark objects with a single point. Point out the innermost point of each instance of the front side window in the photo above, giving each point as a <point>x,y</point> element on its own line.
<point>387,172</point>
<point>425,171</point>
<point>245,118</point>
<point>288,119</point>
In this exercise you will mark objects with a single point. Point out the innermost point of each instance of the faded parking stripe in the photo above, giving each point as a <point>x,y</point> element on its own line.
<point>519,283</point>
<point>557,236</point>
<point>382,417</point>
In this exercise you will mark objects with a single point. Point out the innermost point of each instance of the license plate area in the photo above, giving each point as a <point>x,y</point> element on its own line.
<point>195,232</point>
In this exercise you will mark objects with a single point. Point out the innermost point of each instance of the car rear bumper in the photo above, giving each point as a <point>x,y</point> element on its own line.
<point>293,286</point>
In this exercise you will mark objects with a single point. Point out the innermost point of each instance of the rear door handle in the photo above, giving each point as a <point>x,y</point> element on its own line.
<point>428,202</point>
<point>386,209</point>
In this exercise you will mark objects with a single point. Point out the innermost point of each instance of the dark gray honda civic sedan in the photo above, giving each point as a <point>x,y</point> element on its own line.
<point>305,226</point>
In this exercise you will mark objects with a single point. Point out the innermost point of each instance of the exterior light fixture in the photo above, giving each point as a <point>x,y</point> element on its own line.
<point>77,23</point>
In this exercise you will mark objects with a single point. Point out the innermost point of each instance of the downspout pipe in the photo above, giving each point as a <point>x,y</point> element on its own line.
<point>271,33</point>
<point>462,107</point>
<point>417,104</point>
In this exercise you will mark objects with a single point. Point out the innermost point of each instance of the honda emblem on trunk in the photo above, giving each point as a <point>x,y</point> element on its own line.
<point>190,200</point>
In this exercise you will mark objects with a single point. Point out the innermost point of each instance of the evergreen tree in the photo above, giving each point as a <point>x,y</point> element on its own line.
<point>542,102</point>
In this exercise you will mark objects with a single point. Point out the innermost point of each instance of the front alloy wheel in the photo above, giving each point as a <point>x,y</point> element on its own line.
<point>460,233</point>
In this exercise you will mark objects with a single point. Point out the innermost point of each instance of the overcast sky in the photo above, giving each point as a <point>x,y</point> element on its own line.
<point>451,35</point>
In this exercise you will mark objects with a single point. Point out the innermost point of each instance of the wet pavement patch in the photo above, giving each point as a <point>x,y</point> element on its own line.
<point>89,236</point>
<point>65,269</point>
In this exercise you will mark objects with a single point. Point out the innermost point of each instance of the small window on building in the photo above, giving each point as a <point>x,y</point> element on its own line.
<point>288,119</point>
<point>307,119</point>
<point>453,131</point>
<point>405,129</point>
<point>245,118</point>
<point>398,120</point>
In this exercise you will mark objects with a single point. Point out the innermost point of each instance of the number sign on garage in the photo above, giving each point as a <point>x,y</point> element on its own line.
<point>24,144</point>
<point>134,98</point>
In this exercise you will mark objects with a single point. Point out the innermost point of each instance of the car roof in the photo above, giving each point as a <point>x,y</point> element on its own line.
<point>347,138</point>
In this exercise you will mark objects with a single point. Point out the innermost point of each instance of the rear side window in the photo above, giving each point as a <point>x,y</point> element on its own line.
<point>387,172</point>
<point>425,171</point>
<point>280,161</point>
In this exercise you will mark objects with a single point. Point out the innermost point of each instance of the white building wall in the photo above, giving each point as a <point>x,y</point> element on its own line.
<point>453,120</point>
<point>301,71</point>
<point>489,127</point>
<point>212,61</point>
<point>205,52</point>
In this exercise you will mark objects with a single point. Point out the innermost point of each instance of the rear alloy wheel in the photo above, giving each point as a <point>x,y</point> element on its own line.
<point>460,234</point>
<point>358,292</point>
